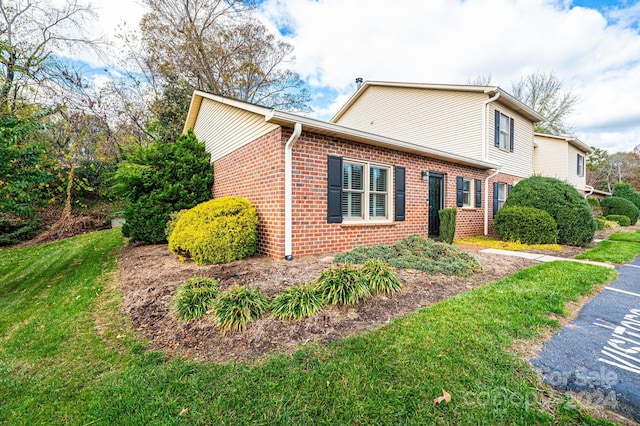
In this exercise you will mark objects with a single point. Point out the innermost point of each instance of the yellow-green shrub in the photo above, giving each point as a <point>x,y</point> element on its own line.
<point>216,231</point>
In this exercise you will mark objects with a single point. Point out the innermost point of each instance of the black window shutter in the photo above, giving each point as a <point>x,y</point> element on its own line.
<point>478,193</point>
<point>400,199</point>
<point>511,132</point>
<point>459,191</point>
<point>509,188</point>
<point>497,128</point>
<point>334,189</point>
<point>495,198</point>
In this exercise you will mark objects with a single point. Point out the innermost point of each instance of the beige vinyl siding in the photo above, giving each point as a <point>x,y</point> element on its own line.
<point>442,119</point>
<point>224,128</point>
<point>572,170</point>
<point>550,158</point>
<point>520,161</point>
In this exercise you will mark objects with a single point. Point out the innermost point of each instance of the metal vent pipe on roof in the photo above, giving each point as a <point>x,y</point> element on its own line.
<point>358,83</point>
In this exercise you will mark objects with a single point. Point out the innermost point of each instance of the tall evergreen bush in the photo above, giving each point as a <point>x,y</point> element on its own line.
<point>448,224</point>
<point>161,179</point>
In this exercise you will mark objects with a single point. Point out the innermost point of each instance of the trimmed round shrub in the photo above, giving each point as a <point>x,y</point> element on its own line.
<point>527,225</point>
<point>173,219</point>
<point>620,206</point>
<point>379,277</point>
<point>570,210</point>
<point>622,220</point>
<point>194,298</point>
<point>216,231</point>
<point>342,284</point>
<point>238,306</point>
<point>296,302</point>
<point>625,191</point>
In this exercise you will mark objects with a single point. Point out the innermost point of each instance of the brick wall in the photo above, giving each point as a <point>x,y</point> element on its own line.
<point>311,232</point>
<point>256,171</point>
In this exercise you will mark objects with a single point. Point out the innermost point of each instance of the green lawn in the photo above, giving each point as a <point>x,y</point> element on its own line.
<point>55,369</point>
<point>619,248</point>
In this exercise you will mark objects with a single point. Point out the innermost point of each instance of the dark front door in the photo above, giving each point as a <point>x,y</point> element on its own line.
<point>436,202</point>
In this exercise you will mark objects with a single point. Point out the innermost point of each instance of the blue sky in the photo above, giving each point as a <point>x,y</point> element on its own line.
<point>594,46</point>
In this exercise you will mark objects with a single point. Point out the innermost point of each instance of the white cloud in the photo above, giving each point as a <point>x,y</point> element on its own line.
<point>444,41</point>
<point>451,41</point>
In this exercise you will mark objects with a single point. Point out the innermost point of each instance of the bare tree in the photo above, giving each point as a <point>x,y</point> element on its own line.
<point>545,94</point>
<point>214,45</point>
<point>30,31</point>
<point>481,80</point>
<point>604,170</point>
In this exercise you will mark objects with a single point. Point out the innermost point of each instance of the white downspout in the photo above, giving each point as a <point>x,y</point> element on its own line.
<point>485,140</point>
<point>590,188</point>
<point>485,157</point>
<point>486,201</point>
<point>288,193</point>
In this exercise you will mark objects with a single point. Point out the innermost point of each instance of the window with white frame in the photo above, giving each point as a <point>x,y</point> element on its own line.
<point>505,132</point>
<point>467,192</point>
<point>501,195</point>
<point>365,191</point>
<point>580,165</point>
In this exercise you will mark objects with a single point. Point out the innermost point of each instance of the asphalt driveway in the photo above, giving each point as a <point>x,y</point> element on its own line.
<point>598,354</point>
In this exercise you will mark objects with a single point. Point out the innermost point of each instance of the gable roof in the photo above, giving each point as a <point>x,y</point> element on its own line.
<point>572,140</point>
<point>288,119</point>
<point>490,91</point>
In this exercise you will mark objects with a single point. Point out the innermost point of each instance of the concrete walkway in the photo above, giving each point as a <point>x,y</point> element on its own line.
<point>541,257</point>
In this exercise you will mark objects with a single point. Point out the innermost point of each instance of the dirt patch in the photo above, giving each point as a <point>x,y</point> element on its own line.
<point>150,275</point>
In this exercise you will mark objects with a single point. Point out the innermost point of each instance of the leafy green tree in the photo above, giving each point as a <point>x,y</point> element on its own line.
<point>23,162</point>
<point>161,179</point>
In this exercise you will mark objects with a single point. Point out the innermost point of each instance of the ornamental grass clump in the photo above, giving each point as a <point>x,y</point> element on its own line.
<point>380,278</point>
<point>297,302</point>
<point>342,284</point>
<point>194,298</point>
<point>238,306</point>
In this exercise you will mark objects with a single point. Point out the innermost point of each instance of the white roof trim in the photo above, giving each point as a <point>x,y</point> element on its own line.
<point>490,91</point>
<point>566,138</point>
<point>288,119</point>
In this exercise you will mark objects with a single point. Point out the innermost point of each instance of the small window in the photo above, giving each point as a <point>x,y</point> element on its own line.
<point>580,165</point>
<point>467,191</point>
<point>501,195</point>
<point>365,191</point>
<point>504,132</point>
<point>352,190</point>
